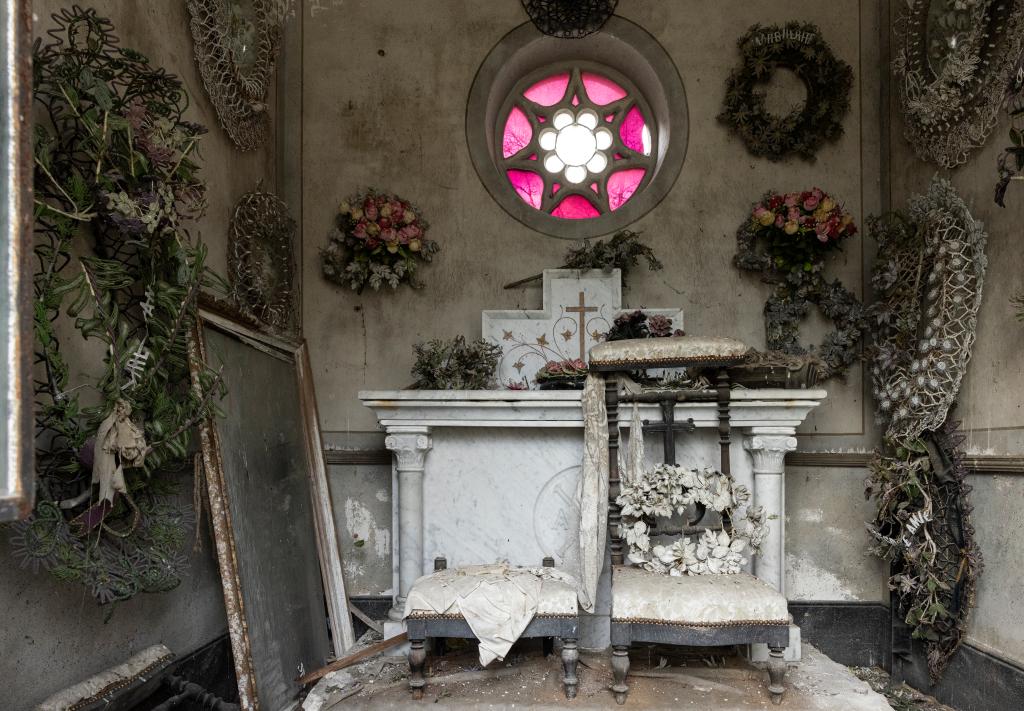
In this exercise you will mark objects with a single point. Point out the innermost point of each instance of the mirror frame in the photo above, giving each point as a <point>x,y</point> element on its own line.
<point>217,315</point>
<point>942,130</point>
<point>17,473</point>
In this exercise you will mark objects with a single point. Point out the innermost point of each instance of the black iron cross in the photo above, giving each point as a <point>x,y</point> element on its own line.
<point>668,426</point>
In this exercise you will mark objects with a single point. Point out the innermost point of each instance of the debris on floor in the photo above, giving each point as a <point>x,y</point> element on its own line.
<point>901,697</point>
<point>659,679</point>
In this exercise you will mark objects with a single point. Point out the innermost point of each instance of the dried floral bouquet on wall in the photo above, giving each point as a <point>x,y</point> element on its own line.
<point>115,184</point>
<point>378,240</point>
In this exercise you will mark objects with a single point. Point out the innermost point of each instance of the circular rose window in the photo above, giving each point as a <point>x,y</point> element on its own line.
<point>575,143</point>
<point>577,139</point>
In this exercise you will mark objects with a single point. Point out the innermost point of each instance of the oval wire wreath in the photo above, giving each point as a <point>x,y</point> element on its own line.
<point>261,262</point>
<point>951,103</point>
<point>800,48</point>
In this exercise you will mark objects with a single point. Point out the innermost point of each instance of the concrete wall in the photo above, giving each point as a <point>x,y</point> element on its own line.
<point>52,633</point>
<point>990,400</point>
<point>384,107</point>
<point>388,110</point>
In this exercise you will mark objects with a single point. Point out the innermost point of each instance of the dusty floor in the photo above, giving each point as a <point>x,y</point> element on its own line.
<point>528,680</point>
<point>901,697</point>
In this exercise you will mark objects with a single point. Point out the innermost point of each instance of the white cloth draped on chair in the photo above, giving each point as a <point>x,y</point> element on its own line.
<point>498,601</point>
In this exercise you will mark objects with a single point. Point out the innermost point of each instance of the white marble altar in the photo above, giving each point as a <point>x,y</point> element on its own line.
<point>579,308</point>
<point>491,474</point>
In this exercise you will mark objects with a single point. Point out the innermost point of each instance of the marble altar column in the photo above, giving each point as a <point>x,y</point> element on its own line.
<point>768,447</point>
<point>410,445</point>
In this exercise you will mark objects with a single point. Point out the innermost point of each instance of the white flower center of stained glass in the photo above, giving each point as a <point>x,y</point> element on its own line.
<point>576,144</point>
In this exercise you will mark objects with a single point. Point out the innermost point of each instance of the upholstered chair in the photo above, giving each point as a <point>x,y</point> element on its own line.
<point>690,610</point>
<point>557,616</point>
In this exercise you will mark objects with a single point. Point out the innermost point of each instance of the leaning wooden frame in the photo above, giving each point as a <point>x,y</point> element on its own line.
<point>262,599</point>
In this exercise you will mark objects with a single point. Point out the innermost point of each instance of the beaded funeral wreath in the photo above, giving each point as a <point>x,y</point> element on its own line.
<point>669,489</point>
<point>800,48</point>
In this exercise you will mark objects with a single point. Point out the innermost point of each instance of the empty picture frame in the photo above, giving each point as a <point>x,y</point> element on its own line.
<point>17,476</point>
<point>277,549</point>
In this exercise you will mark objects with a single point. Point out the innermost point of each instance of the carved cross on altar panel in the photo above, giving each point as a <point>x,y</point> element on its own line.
<point>578,309</point>
<point>582,310</point>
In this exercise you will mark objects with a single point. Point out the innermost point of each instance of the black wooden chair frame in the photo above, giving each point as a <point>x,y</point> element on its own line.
<point>625,633</point>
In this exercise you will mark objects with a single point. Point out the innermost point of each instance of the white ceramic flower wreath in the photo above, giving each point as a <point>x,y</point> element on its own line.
<point>669,489</point>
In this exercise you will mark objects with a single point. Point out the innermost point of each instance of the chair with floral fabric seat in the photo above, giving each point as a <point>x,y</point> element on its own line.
<point>692,593</point>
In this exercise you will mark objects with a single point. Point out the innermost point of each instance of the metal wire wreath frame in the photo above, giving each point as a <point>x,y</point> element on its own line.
<point>569,19</point>
<point>950,110</point>
<point>261,263</point>
<point>930,291</point>
<point>238,97</point>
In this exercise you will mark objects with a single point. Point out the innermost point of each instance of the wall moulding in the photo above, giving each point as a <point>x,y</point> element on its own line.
<point>976,464</point>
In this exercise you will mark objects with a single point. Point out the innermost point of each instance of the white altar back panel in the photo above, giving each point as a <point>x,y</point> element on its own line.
<point>511,494</point>
<point>489,475</point>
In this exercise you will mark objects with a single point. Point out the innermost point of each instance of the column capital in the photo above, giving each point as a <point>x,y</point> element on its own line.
<point>768,450</point>
<point>410,445</point>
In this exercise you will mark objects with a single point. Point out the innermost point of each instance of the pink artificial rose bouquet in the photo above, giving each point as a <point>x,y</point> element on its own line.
<point>378,240</point>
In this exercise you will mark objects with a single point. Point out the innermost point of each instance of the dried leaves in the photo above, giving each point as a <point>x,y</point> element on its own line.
<point>455,364</point>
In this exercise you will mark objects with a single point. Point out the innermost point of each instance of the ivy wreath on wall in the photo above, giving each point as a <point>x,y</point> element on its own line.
<point>800,48</point>
<point>115,186</point>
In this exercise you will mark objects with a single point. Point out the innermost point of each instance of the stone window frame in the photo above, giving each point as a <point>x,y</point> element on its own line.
<point>621,50</point>
<point>620,108</point>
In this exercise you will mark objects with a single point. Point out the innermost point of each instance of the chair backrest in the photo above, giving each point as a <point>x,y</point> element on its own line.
<point>721,394</point>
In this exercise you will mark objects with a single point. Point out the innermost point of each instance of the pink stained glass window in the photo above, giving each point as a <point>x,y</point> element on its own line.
<point>602,90</point>
<point>529,185</point>
<point>622,185</point>
<point>575,207</point>
<point>634,132</point>
<point>518,133</point>
<point>548,91</point>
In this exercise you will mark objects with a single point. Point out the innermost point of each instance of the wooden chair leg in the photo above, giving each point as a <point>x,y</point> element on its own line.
<point>620,668</point>
<point>570,658</point>
<point>776,674</point>
<point>417,661</point>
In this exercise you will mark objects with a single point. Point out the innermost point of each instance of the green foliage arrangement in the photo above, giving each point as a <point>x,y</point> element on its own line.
<point>623,251</point>
<point>800,48</point>
<point>1011,160</point>
<point>455,364</point>
<point>115,184</point>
